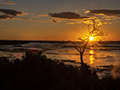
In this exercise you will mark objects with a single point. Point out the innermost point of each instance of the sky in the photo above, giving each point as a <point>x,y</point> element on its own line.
<point>58,19</point>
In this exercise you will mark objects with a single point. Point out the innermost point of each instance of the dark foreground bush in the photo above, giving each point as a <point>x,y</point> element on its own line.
<point>36,72</point>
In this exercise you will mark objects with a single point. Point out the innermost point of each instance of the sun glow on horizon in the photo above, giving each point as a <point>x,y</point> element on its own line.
<point>91,38</point>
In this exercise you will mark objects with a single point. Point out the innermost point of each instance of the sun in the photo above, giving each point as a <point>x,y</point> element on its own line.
<point>91,38</point>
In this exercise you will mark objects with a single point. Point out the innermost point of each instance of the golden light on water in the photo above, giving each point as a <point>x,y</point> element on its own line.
<point>91,59</point>
<point>91,51</point>
<point>91,56</point>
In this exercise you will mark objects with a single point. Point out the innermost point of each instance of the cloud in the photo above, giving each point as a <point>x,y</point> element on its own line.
<point>55,21</point>
<point>115,13</point>
<point>8,3</point>
<point>25,18</point>
<point>4,17</point>
<point>39,21</point>
<point>20,18</point>
<point>42,15</point>
<point>12,12</point>
<point>35,16</point>
<point>67,15</point>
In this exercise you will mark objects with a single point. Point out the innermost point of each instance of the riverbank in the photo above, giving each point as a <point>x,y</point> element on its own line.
<point>36,72</point>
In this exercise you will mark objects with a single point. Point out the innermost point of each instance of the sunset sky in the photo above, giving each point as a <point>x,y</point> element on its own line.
<point>57,19</point>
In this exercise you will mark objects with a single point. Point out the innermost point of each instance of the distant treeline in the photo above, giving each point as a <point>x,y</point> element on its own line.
<point>8,42</point>
<point>109,42</point>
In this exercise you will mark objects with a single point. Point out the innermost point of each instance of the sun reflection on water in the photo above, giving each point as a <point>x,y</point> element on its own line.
<point>91,51</point>
<point>91,57</point>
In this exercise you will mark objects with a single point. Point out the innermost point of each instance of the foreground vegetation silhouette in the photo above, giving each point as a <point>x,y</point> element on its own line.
<point>36,72</point>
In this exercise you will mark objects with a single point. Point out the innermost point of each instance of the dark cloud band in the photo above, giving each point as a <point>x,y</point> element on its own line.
<point>105,12</point>
<point>11,12</point>
<point>66,15</point>
<point>4,17</point>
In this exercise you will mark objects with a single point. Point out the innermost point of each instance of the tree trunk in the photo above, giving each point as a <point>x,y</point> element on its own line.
<point>81,58</point>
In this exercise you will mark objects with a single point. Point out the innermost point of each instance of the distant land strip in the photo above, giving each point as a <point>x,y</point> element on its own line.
<point>10,42</point>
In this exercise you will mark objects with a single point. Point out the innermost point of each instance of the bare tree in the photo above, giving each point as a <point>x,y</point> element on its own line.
<point>95,31</point>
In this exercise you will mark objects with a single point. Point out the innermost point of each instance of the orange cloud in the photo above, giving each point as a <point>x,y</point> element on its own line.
<point>108,19</point>
<point>9,3</point>
<point>42,15</point>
